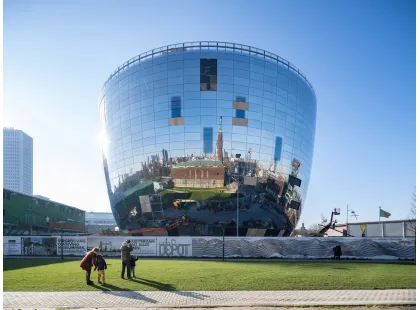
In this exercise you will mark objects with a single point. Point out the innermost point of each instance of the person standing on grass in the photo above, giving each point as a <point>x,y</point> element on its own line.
<point>133,260</point>
<point>101,266</point>
<point>337,252</point>
<point>88,262</point>
<point>126,249</point>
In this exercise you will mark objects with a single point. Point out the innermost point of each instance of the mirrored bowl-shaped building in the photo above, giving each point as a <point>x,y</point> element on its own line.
<point>206,137</point>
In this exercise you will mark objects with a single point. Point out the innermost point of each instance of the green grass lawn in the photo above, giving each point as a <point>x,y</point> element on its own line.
<point>57,275</point>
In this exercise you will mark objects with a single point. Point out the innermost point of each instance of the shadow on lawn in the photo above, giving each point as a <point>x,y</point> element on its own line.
<point>318,263</point>
<point>117,291</point>
<point>106,287</point>
<point>19,263</point>
<point>157,285</point>
<point>168,287</point>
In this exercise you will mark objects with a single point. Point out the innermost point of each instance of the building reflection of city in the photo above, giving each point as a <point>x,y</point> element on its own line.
<point>199,128</point>
<point>190,195</point>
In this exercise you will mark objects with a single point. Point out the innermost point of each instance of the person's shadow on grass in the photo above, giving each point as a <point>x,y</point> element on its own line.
<point>157,285</point>
<point>115,290</point>
<point>106,287</point>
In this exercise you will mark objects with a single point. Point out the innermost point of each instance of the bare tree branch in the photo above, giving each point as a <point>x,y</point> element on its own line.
<point>313,229</point>
<point>412,215</point>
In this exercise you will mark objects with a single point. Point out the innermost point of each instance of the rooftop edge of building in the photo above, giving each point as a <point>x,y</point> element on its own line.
<point>46,199</point>
<point>209,45</point>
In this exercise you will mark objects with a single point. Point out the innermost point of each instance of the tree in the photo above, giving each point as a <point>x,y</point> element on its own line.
<point>313,229</point>
<point>412,215</point>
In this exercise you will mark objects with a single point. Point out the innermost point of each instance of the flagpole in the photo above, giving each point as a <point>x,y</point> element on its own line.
<point>347,221</point>
<point>380,220</point>
<point>380,226</point>
<point>379,215</point>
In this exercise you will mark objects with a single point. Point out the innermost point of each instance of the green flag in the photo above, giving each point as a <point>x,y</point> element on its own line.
<point>383,213</point>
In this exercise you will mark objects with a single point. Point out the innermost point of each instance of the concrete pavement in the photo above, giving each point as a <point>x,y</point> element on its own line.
<point>206,299</point>
<point>379,307</point>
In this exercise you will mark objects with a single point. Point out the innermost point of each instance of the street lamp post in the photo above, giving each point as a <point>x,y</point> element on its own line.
<point>62,256</point>
<point>223,225</point>
<point>347,221</point>
<point>61,233</point>
<point>223,254</point>
<point>237,211</point>
<point>237,208</point>
<point>29,218</point>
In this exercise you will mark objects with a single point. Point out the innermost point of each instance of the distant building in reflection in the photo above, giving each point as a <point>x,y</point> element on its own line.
<point>220,142</point>
<point>199,174</point>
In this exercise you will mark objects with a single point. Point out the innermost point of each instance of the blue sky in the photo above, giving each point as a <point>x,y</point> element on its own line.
<point>359,55</point>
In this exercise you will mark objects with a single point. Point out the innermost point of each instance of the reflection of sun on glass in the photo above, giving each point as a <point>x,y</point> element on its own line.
<point>103,141</point>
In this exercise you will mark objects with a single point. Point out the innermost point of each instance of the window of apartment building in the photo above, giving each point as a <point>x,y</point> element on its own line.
<point>208,74</point>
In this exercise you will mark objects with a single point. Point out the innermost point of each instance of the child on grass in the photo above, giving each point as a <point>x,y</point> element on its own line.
<point>133,260</point>
<point>101,266</point>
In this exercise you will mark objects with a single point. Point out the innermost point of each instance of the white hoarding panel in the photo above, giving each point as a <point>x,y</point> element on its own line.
<point>39,246</point>
<point>144,246</point>
<point>72,245</point>
<point>174,246</point>
<point>108,246</point>
<point>207,246</point>
<point>12,246</point>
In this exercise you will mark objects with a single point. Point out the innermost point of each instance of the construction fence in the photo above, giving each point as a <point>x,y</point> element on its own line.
<point>206,247</point>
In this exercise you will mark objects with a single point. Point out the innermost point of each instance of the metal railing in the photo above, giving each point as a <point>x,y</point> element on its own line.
<point>209,45</point>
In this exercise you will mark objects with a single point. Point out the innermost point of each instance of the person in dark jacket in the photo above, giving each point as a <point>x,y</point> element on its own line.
<point>133,260</point>
<point>87,262</point>
<point>337,252</point>
<point>126,249</point>
<point>101,266</point>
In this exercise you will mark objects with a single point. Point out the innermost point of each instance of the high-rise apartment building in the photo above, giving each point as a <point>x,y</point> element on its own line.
<point>17,161</point>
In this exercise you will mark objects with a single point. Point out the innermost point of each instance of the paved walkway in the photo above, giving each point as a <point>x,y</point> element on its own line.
<point>204,299</point>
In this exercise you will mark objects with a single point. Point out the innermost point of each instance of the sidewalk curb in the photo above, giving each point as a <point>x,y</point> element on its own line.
<point>206,299</point>
<point>282,305</point>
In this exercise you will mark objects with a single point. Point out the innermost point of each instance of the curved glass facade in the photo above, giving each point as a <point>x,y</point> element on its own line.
<point>208,135</point>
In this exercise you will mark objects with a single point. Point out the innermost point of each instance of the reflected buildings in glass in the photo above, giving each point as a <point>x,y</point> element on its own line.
<point>195,129</point>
